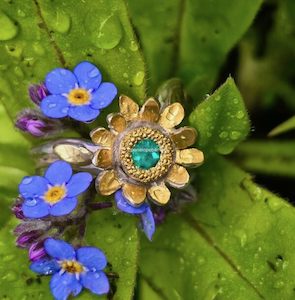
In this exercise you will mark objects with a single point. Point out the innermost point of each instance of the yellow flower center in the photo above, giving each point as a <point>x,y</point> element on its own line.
<point>72,266</point>
<point>54,194</point>
<point>79,97</point>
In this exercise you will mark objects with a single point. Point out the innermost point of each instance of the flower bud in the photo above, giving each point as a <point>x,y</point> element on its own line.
<point>26,239</point>
<point>33,122</point>
<point>37,251</point>
<point>37,93</point>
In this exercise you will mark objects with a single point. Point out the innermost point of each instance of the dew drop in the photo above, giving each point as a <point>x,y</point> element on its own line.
<point>240,114</point>
<point>21,13</point>
<point>223,134</point>
<point>52,105</point>
<point>201,260</point>
<point>8,29</point>
<point>279,284</point>
<point>27,180</point>
<point>274,204</point>
<point>235,135</point>
<point>133,46</point>
<point>108,33</point>
<point>65,110</point>
<point>13,50</point>
<point>31,202</point>
<point>122,50</point>
<point>138,78</point>
<point>93,73</point>
<point>59,21</point>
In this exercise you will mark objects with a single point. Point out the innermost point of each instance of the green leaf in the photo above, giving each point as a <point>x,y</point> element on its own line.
<point>221,120</point>
<point>275,158</point>
<point>52,34</point>
<point>190,38</point>
<point>284,127</point>
<point>117,235</point>
<point>236,242</point>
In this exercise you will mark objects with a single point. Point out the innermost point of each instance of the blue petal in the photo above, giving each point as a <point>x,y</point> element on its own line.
<point>55,106</point>
<point>96,282</point>
<point>60,81</point>
<point>78,184</point>
<point>148,223</point>
<point>45,266</point>
<point>62,286</point>
<point>104,95</point>
<point>83,113</point>
<point>59,249</point>
<point>64,207</point>
<point>33,186</point>
<point>124,206</point>
<point>88,75</point>
<point>92,258</point>
<point>35,209</point>
<point>59,172</point>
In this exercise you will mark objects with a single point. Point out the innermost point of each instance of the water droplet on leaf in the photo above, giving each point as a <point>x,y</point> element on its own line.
<point>133,46</point>
<point>105,29</point>
<point>235,135</point>
<point>240,114</point>
<point>138,78</point>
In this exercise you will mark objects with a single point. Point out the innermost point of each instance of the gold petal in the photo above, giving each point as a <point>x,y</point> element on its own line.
<point>184,137</point>
<point>189,157</point>
<point>172,116</point>
<point>135,194</point>
<point>107,183</point>
<point>160,194</point>
<point>150,111</point>
<point>128,108</point>
<point>103,158</point>
<point>178,176</point>
<point>73,154</point>
<point>116,122</point>
<point>103,137</point>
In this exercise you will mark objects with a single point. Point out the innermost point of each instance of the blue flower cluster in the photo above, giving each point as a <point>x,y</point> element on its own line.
<point>72,269</point>
<point>54,194</point>
<point>80,94</point>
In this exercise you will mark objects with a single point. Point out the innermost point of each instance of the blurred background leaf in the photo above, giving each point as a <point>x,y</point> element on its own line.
<point>189,39</point>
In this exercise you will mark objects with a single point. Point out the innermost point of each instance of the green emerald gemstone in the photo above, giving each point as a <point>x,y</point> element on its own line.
<point>145,154</point>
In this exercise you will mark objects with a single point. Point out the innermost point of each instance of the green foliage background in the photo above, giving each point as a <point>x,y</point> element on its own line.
<point>237,242</point>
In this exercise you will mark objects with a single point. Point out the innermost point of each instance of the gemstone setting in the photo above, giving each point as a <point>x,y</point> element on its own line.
<point>145,154</point>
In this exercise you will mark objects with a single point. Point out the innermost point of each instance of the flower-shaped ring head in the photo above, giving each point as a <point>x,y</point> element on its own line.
<point>143,151</point>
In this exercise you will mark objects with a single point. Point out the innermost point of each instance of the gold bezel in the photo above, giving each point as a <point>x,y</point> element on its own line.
<point>166,158</point>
